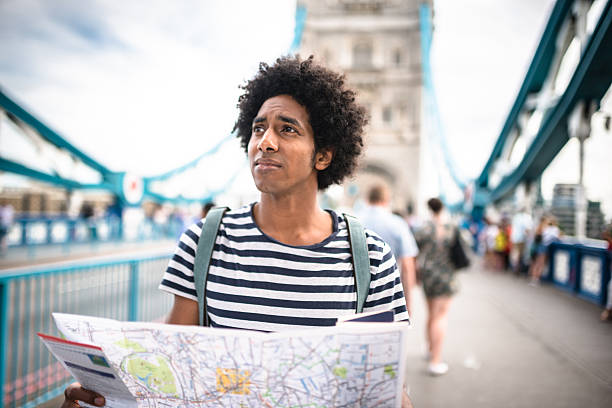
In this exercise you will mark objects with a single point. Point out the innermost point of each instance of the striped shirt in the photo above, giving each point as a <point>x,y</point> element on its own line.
<point>255,282</point>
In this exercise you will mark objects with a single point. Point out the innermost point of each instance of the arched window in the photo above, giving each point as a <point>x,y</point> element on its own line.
<point>362,56</point>
<point>397,58</point>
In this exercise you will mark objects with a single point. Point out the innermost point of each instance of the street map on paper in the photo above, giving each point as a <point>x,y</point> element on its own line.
<point>352,365</point>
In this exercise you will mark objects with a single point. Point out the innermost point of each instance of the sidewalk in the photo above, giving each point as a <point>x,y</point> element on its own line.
<point>512,345</point>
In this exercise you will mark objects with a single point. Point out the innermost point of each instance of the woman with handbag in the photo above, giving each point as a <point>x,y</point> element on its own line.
<point>437,274</point>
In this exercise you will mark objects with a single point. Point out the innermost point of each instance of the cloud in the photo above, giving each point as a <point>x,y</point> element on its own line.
<point>140,86</point>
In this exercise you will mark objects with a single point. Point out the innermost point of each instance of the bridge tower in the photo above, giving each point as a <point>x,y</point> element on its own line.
<point>376,43</point>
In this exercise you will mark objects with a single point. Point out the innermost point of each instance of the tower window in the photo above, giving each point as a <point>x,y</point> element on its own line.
<point>387,114</point>
<point>362,56</point>
<point>397,57</point>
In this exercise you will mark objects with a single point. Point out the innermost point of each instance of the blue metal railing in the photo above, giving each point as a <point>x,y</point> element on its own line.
<point>123,289</point>
<point>581,270</point>
<point>36,230</point>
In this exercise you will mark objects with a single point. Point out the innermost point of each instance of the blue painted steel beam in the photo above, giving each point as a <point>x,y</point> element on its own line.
<point>191,164</point>
<point>300,21</point>
<point>591,79</point>
<point>17,168</point>
<point>536,74</point>
<point>48,134</point>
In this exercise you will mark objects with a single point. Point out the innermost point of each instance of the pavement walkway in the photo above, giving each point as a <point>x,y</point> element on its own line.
<point>513,345</point>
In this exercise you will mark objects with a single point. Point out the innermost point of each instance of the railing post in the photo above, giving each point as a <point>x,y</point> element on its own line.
<point>134,293</point>
<point>4,293</point>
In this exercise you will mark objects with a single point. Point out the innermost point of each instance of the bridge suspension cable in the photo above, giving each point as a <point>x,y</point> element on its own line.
<point>433,126</point>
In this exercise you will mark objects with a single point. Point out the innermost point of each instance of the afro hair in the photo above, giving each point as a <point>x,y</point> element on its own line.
<point>336,119</point>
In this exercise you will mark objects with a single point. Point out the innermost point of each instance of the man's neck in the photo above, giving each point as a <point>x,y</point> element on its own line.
<point>293,220</point>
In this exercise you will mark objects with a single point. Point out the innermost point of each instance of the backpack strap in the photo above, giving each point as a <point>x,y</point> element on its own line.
<point>361,259</point>
<point>206,243</point>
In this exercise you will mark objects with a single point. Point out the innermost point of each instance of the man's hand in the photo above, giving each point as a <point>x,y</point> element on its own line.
<point>74,392</point>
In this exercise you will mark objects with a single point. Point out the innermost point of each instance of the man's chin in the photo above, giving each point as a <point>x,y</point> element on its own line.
<point>267,188</point>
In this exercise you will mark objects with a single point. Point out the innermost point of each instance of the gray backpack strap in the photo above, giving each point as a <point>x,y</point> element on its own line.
<point>206,243</point>
<point>361,259</point>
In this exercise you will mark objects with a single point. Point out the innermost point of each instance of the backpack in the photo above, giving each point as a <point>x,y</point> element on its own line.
<point>206,243</point>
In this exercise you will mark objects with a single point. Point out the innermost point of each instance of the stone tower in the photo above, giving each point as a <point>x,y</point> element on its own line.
<point>376,43</point>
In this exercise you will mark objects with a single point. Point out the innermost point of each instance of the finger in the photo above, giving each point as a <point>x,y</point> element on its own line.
<point>74,392</point>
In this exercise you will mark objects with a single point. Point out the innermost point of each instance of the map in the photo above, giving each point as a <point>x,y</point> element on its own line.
<point>350,365</point>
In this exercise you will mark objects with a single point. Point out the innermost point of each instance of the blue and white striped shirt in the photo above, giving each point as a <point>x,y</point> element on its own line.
<point>255,282</point>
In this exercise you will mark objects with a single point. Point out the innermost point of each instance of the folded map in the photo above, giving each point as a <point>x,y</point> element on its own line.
<point>350,365</point>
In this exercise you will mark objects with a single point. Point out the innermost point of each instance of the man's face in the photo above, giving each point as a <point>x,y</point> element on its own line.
<point>281,149</point>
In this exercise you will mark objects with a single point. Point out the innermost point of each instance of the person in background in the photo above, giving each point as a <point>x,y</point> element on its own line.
<point>206,208</point>
<point>522,225</point>
<point>489,238</point>
<point>394,230</point>
<point>502,245</point>
<point>7,214</point>
<point>438,277</point>
<point>549,232</point>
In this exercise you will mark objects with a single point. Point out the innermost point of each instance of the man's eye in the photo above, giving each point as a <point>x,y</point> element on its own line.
<point>257,129</point>
<point>289,129</point>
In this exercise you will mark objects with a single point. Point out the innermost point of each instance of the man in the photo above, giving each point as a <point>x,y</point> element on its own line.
<point>284,262</point>
<point>378,217</point>
<point>522,225</point>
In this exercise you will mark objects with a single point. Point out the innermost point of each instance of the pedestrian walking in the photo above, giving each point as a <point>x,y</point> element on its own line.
<point>7,213</point>
<point>394,230</point>
<point>522,225</point>
<point>438,277</point>
<point>546,233</point>
<point>283,262</point>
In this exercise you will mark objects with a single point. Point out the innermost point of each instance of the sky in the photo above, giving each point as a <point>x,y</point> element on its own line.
<point>146,87</point>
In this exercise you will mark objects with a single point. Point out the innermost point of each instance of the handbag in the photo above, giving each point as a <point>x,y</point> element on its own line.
<point>457,255</point>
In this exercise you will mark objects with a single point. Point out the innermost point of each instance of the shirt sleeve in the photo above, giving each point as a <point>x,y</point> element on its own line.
<point>409,245</point>
<point>386,290</point>
<point>178,278</point>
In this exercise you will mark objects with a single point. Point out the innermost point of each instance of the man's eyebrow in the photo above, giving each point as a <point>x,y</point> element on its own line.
<point>259,119</point>
<point>289,120</point>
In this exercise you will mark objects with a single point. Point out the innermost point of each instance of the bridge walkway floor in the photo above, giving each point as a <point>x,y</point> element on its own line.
<point>514,345</point>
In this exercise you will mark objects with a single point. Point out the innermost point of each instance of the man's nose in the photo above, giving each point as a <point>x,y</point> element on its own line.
<point>268,142</point>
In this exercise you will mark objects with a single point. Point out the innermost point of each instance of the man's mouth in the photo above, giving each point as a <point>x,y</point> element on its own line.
<point>265,164</point>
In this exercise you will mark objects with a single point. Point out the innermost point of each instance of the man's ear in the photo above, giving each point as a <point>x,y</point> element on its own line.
<point>323,158</point>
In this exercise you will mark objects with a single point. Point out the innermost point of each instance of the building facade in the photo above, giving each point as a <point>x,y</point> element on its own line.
<point>377,44</point>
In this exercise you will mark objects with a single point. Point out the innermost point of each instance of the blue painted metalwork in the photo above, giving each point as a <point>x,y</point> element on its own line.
<point>591,79</point>
<point>431,101</point>
<point>134,292</point>
<point>300,21</point>
<point>191,164</point>
<point>78,230</point>
<point>574,279</point>
<point>537,72</point>
<point>564,279</point>
<point>4,334</point>
<point>17,168</point>
<point>601,258</point>
<point>121,289</point>
<point>47,133</point>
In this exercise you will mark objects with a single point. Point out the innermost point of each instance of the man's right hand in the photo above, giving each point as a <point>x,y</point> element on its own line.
<point>74,392</point>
